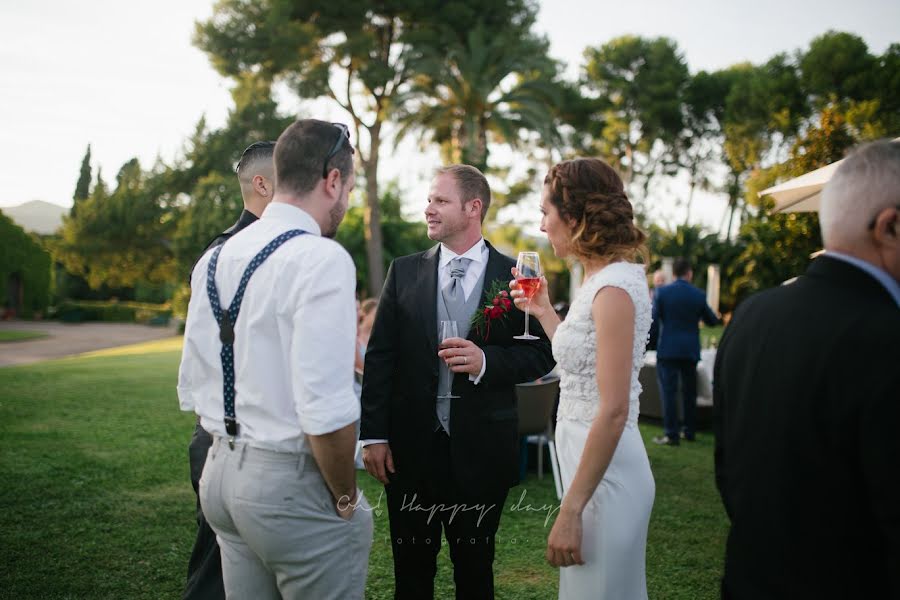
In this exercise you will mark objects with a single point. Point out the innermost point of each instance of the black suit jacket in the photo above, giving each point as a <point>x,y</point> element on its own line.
<point>401,374</point>
<point>246,218</point>
<point>806,416</point>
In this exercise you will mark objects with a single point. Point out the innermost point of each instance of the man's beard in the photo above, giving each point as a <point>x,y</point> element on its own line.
<point>448,230</point>
<point>335,216</point>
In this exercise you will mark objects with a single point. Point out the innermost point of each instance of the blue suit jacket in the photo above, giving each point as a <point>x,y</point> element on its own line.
<point>678,309</point>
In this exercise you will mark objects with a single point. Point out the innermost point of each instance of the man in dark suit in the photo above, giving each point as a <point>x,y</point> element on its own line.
<point>256,175</point>
<point>659,280</point>
<point>677,311</point>
<point>446,463</point>
<point>807,405</point>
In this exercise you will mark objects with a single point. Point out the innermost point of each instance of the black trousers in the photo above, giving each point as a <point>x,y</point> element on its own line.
<point>422,510</point>
<point>204,577</point>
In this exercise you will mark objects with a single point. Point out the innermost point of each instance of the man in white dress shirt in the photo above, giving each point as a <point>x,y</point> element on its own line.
<point>273,384</point>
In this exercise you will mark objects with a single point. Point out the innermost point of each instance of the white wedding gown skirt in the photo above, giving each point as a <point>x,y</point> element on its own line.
<point>614,521</point>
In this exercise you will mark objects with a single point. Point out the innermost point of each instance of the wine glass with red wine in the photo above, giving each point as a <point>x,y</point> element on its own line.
<point>528,269</point>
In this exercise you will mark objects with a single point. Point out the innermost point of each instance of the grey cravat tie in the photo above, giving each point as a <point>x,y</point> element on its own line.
<point>454,296</point>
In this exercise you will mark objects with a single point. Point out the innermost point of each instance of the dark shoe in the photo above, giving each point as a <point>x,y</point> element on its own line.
<point>665,440</point>
<point>687,438</point>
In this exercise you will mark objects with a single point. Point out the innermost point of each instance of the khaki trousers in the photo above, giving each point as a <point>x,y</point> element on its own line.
<point>276,526</point>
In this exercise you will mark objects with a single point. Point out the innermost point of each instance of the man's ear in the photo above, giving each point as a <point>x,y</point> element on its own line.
<point>886,225</point>
<point>262,186</point>
<point>477,206</point>
<point>333,182</point>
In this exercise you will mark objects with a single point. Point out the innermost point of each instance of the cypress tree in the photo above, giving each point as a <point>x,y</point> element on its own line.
<point>83,187</point>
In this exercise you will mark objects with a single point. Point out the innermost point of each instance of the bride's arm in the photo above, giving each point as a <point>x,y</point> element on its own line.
<point>613,314</point>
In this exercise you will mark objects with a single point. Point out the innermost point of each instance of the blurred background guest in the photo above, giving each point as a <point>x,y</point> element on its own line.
<point>678,309</point>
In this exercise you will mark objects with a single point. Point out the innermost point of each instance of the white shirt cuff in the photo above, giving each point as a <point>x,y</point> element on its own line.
<point>369,442</point>
<point>186,398</point>
<point>476,380</point>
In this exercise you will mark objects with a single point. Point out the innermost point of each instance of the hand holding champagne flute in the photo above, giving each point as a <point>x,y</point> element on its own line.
<point>448,329</point>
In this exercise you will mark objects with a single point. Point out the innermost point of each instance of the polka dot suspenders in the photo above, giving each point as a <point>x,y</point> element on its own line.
<point>228,317</point>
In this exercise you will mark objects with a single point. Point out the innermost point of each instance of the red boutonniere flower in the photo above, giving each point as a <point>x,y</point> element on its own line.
<point>495,308</point>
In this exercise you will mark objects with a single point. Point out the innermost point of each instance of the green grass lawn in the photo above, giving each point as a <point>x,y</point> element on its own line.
<point>12,335</point>
<point>97,503</point>
<point>710,334</point>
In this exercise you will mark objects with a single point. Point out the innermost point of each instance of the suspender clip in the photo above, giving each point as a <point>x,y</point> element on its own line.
<point>231,427</point>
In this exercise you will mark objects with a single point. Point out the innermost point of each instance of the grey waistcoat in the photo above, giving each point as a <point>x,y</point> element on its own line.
<point>463,321</point>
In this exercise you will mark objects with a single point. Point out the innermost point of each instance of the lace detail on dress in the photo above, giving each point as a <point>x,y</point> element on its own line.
<point>575,343</point>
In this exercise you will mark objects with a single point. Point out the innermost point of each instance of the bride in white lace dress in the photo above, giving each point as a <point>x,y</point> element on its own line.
<point>600,534</point>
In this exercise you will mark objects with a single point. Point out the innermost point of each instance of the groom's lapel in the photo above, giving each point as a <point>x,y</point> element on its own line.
<point>426,296</point>
<point>494,270</point>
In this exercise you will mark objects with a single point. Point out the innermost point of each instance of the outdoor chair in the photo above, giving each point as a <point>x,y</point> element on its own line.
<point>536,402</point>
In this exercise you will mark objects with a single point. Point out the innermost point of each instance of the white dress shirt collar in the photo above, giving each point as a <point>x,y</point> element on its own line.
<point>292,215</point>
<point>475,253</point>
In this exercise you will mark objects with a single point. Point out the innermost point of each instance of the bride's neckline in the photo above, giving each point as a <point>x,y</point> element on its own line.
<point>588,276</point>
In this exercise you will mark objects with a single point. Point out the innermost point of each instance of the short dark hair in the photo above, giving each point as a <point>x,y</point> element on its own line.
<point>681,266</point>
<point>472,184</point>
<point>301,151</point>
<point>255,152</point>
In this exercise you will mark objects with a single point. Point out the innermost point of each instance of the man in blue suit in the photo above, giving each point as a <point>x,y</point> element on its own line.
<point>678,309</point>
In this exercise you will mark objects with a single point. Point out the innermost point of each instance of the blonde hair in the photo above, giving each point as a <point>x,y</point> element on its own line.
<point>472,184</point>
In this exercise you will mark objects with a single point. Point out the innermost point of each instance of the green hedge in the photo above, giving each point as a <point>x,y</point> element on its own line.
<point>22,254</point>
<point>112,311</point>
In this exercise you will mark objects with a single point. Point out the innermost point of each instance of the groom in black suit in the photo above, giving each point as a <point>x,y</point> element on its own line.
<point>807,406</point>
<point>447,464</point>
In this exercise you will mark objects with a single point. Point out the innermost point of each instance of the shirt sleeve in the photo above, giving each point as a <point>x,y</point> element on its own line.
<point>370,442</point>
<point>187,368</point>
<point>324,342</point>
<point>476,379</point>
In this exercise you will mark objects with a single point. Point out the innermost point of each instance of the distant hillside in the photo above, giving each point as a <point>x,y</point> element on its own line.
<point>37,216</point>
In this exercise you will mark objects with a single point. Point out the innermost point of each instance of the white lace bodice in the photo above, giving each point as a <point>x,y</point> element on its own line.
<point>575,343</point>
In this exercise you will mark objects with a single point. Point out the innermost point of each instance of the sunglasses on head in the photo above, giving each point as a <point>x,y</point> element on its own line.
<point>342,137</point>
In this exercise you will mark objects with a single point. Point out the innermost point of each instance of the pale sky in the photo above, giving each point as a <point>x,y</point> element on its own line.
<point>124,77</point>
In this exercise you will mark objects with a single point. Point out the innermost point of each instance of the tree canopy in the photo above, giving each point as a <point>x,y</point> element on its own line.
<point>476,80</point>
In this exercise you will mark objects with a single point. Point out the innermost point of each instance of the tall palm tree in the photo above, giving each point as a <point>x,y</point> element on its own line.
<point>498,83</point>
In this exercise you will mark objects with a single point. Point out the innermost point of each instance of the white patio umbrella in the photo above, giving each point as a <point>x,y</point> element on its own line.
<point>801,194</point>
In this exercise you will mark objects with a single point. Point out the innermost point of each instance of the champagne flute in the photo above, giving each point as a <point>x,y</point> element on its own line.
<point>448,330</point>
<point>528,276</point>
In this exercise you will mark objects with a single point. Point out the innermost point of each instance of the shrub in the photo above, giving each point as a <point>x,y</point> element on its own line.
<point>113,311</point>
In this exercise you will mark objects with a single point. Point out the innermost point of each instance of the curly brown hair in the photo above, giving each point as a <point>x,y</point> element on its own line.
<point>588,193</point>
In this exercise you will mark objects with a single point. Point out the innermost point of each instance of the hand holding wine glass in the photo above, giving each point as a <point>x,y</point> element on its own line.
<point>529,280</point>
<point>447,330</point>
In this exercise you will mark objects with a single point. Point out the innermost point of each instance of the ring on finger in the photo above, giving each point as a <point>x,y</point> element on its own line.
<point>465,360</point>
